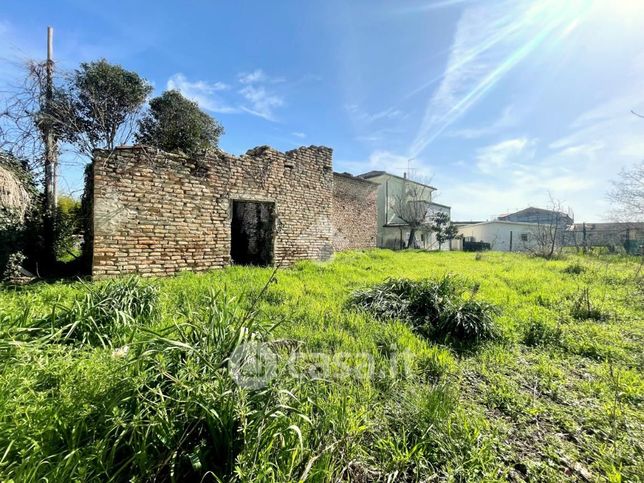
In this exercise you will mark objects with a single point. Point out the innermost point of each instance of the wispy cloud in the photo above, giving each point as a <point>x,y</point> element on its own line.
<point>251,94</point>
<point>492,158</point>
<point>258,76</point>
<point>261,102</point>
<point>432,5</point>
<point>298,134</point>
<point>361,116</point>
<point>506,120</point>
<point>490,40</point>
<point>206,94</point>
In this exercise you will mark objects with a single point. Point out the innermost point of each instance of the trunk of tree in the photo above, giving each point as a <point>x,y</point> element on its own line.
<point>411,243</point>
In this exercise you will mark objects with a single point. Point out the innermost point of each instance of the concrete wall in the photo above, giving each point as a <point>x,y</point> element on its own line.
<point>612,235</point>
<point>353,212</point>
<point>157,213</point>
<point>497,234</point>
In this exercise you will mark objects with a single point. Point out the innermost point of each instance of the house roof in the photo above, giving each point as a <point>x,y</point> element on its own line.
<point>471,222</point>
<point>373,174</point>
<point>355,178</point>
<point>500,222</point>
<point>439,204</point>
<point>532,209</point>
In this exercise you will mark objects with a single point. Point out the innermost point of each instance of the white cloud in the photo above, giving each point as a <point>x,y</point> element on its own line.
<point>492,158</point>
<point>391,162</point>
<point>252,96</point>
<point>262,102</point>
<point>298,134</point>
<point>206,94</point>
<point>257,75</point>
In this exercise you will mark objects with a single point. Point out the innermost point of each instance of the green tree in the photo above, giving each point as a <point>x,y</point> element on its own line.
<point>175,123</point>
<point>99,105</point>
<point>443,227</point>
<point>69,227</point>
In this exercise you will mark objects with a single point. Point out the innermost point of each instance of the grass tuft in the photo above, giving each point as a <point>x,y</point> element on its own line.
<point>438,310</point>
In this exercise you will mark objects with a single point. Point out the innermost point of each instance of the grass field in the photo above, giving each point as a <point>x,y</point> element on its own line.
<point>131,382</point>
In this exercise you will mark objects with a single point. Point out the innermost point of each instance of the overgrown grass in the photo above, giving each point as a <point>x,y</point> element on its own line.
<point>141,389</point>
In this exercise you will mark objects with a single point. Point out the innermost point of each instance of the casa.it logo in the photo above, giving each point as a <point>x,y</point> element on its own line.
<point>253,365</point>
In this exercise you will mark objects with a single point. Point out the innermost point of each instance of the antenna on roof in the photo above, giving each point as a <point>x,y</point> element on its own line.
<point>411,172</point>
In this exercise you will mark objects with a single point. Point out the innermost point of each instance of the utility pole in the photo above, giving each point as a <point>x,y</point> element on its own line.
<point>51,153</point>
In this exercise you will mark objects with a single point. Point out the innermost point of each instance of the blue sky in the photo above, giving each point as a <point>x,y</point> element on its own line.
<point>498,102</point>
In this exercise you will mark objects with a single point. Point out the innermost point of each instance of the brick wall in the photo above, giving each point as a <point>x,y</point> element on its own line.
<point>353,213</point>
<point>156,213</point>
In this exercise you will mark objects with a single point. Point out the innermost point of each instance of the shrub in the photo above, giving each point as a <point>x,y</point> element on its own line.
<point>104,315</point>
<point>437,310</point>
<point>433,363</point>
<point>175,123</point>
<point>583,308</point>
<point>540,332</point>
<point>575,269</point>
<point>13,270</point>
<point>107,311</point>
<point>69,227</point>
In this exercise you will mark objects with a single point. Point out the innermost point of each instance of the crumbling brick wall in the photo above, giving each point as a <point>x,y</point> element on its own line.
<point>156,213</point>
<point>354,212</point>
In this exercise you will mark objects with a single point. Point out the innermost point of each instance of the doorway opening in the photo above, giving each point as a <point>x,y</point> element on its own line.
<point>252,233</point>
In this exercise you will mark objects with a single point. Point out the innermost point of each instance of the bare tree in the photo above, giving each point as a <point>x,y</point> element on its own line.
<point>627,194</point>
<point>549,234</point>
<point>412,206</point>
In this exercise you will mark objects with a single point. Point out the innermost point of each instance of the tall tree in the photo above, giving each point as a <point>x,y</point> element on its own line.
<point>175,123</point>
<point>102,102</point>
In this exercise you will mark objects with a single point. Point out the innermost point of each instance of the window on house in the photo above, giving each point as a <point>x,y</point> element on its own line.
<point>525,237</point>
<point>422,237</point>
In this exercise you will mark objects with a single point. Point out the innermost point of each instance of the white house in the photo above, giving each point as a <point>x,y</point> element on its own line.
<point>392,231</point>
<point>504,236</point>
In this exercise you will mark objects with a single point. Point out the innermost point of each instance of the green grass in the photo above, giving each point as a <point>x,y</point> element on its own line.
<point>142,391</point>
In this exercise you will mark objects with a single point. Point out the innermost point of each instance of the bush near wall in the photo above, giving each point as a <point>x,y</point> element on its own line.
<point>17,192</point>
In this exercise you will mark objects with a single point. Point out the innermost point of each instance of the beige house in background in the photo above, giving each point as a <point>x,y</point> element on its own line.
<point>392,231</point>
<point>503,236</point>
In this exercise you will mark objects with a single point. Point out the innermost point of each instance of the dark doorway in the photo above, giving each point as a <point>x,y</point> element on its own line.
<point>251,240</point>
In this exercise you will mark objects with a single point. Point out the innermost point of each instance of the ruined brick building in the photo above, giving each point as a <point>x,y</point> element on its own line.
<point>156,213</point>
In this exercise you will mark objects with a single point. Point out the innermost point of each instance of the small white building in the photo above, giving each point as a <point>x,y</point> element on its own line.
<point>503,236</point>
